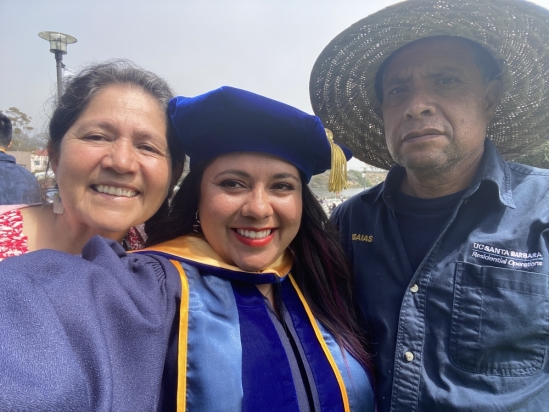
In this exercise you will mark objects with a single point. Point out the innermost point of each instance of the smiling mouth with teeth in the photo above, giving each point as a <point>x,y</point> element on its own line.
<point>253,234</point>
<point>114,191</point>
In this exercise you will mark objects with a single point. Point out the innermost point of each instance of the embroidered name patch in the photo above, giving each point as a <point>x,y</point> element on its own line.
<point>512,258</point>
<point>362,238</point>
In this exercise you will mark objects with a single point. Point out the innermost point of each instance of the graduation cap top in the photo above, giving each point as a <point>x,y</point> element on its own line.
<point>229,120</point>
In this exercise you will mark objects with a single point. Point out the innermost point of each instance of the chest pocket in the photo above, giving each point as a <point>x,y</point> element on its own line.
<point>500,320</point>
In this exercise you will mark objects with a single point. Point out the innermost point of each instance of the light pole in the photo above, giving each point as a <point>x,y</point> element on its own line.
<point>58,46</point>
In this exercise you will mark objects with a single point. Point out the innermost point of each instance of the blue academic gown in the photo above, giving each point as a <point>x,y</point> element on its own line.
<point>119,332</point>
<point>230,355</point>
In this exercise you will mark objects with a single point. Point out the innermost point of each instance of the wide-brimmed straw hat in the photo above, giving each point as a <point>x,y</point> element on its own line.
<point>515,32</point>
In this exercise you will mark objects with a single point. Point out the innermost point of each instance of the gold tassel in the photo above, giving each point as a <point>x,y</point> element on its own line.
<point>338,172</point>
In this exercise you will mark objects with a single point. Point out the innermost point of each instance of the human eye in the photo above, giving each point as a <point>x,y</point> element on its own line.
<point>395,93</point>
<point>283,186</point>
<point>150,149</point>
<point>95,137</point>
<point>448,80</point>
<point>231,184</point>
<point>396,90</point>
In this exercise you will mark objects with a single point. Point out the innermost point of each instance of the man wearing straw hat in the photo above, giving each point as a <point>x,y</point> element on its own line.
<point>451,252</point>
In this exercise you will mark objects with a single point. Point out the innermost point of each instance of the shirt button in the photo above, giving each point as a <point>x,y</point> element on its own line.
<point>409,356</point>
<point>414,288</point>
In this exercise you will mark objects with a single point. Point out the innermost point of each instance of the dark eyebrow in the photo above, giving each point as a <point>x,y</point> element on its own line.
<point>446,70</point>
<point>111,128</point>
<point>438,72</point>
<point>237,172</point>
<point>286,176</point>
<point>242,173</point>
<point>96,123</point>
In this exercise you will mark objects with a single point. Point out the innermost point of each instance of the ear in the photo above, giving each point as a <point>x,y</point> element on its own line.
<point>54,165</point>
<point>493,95</point>
<point>54,162</point>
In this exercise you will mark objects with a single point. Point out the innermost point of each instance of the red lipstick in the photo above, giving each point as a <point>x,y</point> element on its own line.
<point>254,242</point>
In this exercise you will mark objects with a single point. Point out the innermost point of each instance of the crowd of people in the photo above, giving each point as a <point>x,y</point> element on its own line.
<point>329,204</point>
<point>426,292</point>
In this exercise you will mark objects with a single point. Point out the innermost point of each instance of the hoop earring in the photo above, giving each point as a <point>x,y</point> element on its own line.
<point>197,228</point>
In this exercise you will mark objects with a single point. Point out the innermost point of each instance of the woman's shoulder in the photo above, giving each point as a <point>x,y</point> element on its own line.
<point>103,262</point>
<point>112,257</point>
<point>10,208</point>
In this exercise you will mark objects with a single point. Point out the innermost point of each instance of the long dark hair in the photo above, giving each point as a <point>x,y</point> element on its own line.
<point>321,268</point>
<point>325,277</point>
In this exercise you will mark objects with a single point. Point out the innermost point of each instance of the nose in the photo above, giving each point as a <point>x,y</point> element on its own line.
<point>257,204</point>
<point>121,157</point>
<point>420,104</point>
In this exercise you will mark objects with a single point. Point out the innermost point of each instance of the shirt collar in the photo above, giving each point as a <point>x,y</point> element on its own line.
<point>7,157</point>
<point>494,169</point>
<point>386,189</point>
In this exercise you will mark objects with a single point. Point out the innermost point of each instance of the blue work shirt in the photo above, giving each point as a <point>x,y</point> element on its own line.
<point>17,185</point>
<point>469,329</point>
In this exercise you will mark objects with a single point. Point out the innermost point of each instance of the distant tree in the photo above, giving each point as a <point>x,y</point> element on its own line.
<point>40,140</point>
<point>319,181</point>
<point>538,158</point>
<point>358,179</point>
<point>23,137</point>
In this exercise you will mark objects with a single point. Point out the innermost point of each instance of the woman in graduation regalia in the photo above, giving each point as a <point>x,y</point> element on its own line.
<point>242,302</point>
<point>265,318</point>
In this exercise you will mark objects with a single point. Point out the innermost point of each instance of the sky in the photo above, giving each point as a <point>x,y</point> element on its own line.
<point>265,46</point>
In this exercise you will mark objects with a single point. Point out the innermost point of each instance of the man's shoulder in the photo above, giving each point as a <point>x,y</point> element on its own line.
<point>17,171</point>
<point>18,185</point>
<point>529,178</point>
<point>526,170</point>
<point>6,158</point>
<point>28,175</point>
<point>521,187</point>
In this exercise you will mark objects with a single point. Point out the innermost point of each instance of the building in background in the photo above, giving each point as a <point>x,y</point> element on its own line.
<point>39,161</point>
<point>22,158</point>
<point>32,161</point>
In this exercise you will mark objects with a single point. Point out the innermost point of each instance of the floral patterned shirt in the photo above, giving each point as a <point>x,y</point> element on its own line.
<point>12,240</point>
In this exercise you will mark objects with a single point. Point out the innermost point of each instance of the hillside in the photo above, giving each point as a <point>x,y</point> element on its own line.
<point>354,177</point>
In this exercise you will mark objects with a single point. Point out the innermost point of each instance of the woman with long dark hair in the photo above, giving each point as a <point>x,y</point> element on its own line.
<point>253,239</point>
<point>319,266</point>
